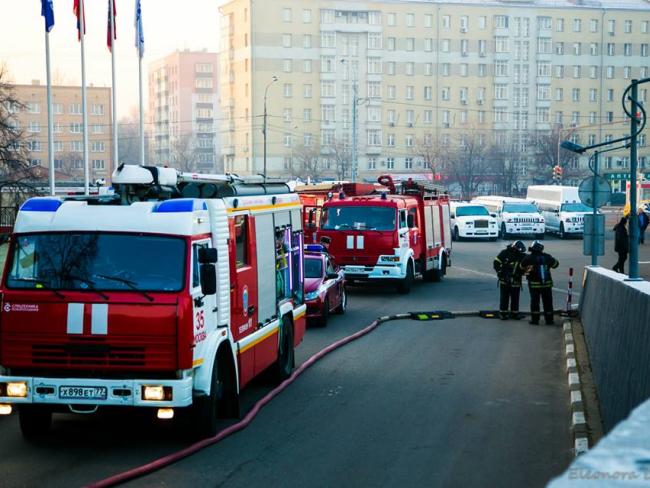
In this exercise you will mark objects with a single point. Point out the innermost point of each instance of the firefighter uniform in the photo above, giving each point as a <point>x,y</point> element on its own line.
<point>509,271</point>
<point>538,265</point>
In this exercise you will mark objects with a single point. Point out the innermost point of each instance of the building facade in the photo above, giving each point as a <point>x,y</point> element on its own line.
<point>423,76</point>
<point>184,111</point>
<point>68,129</point>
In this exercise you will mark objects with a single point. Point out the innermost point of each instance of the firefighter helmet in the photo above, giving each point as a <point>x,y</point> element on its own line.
<point>519,246</point>
<point>536,247</point>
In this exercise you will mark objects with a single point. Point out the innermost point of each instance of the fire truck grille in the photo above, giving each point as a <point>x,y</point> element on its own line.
<point>480,224</point>
<point>361,260</point>
<point>91,355</point>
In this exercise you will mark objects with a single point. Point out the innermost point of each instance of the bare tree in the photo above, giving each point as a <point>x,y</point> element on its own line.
<point>425,150</point>
<point>341,154</point>
<point>505,164</point>
<point>464,160</point>
<point>16,173</point>
<point>307,161</point>
<point>184,155</point>
<point>128,140</point>
<point>548,154</point>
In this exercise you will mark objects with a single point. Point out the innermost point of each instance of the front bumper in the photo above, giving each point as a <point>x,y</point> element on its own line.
<point>45,391</point>
<point>478,233</point>
<point>525,229</point>
<point>378,272</point>
<point>314,308</point>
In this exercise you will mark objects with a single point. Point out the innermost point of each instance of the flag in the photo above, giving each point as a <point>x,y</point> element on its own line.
<point>139,34</point>
<point>47,11</point>
<point>77,12</point>
<point>109,38</point>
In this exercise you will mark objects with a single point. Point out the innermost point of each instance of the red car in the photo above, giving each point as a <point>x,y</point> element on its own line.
<point>324,285</point>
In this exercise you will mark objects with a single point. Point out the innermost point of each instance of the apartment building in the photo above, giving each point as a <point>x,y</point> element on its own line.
<point>184,111</point>
<point>68,128</point>
<point>425,72</point>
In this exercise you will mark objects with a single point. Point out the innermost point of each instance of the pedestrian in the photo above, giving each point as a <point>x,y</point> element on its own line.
<point>621,244</point>
<point>538,264</point>
<point>508,267</point>
<point>643,224</point>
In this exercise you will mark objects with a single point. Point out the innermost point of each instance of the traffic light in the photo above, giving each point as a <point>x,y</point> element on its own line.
<point>557,174</point>
<point>437,177</point>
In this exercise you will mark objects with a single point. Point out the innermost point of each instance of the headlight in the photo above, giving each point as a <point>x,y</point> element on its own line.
<point>469,223</point>
<point>17,389</point>
<point>155,393</point>
<point>312,295</point>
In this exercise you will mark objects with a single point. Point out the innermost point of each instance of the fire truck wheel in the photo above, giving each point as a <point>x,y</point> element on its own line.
<point>206,408</point>
<point>344,303</point>
<point>34,420</point>
<point>324,318</point>
<point>286,354</point>
<point>405,284</point>
<point>439,273</point>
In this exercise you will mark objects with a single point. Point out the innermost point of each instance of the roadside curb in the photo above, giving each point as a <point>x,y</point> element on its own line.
<point>578,418</point>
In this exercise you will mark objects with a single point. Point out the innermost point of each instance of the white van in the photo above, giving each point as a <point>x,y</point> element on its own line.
<point>515,216</point>
<point>561,207</point>
<point>472,221</point>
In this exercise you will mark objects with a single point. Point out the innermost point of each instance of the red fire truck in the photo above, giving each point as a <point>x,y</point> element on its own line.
<point>173,293</point>
<point>394,235</point>
<point>312,198</point>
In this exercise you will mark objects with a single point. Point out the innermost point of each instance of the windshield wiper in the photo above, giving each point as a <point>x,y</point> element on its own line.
<point>44,284</point>
<point>127,282</point>
<point>90,283</point>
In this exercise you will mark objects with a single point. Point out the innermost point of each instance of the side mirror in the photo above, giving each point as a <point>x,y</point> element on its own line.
<point>410,221</point>
<point>208,255</point>
<point>493,215</point>
<point>208,276</point>
<point>331,276</point>
<point>557,211</point>
<point>452,215</point>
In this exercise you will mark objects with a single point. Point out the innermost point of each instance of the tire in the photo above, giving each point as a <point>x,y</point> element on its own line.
<point>504,234</point>
<point>439,273</point>
<point>405,284</point>
<point>286,354</point>
<point>35,421</point>
<point>340,310</point>
<point>456,235</point>
<point>562,233</point>
<point>206,408</point>
<point>324,318</point>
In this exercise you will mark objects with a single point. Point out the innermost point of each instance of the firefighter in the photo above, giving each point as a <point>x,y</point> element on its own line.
<point>537,265</point>
<point>508,267</point>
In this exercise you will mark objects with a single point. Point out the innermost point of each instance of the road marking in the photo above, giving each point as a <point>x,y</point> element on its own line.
<point>481,273</point>
<point>644,262</point>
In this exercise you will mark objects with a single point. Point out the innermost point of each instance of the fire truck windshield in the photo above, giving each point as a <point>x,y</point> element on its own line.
<point>96,261</point>
<point>358,218</point>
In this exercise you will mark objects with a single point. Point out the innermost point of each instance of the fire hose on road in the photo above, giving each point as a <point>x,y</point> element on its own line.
<point>248,418</point>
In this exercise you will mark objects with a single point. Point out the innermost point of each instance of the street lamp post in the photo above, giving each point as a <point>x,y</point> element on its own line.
<point>273,80</point>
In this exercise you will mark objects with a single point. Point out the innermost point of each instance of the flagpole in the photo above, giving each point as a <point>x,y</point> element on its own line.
<point>113,39</point>
<point>50,123</point>
<point>141,111</point>
<point>84,108</point>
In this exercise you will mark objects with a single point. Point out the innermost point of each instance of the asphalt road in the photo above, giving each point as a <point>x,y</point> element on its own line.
<point>462,402</point>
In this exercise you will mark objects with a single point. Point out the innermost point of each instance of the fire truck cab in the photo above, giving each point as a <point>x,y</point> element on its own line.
<point>392,235</point>
<point>173,293</point>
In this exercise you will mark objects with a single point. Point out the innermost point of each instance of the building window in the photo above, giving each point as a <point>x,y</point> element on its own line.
<point>390,163</point>
<point>610,72</point>
<point>97,146</point>
<point>410,20</point>
<point>410,69</point>
<point>203,83</point>
<point>445,45</point>
<point>306,41</point>
<point>408,163</point>
<point>446,21</point>
<point>288,90</point>
<point>410,90</point>
<point>576,71</point>
<point>611,26</point>
<point>374,137</point>
<point>428,44</point>
<point>374,66</point>
<point>628,26</point>
<point>306,91</point>
<point>306,66</point>
<point>328,39</point>
<point>501,21</point>
<point>391,19</point>
<point>374,40</point>
<point>593,25</point>
<point>374,89</point>
<point>76,128</point>
<point>57,108</point>
<point>391,92</point>
<point>287,65</point>
<point>306,16</point>
<point>559,25</point>
<point>286,40</point>
<point>390,43</point>
<point>428,20</point>
<point>34,126</point>
<point>327,88</point>
<point>577,25</point>
<point>390,140</point>
<point>286,15</point>
<point>99,164</point>
<point>34,108</point>
<point>75,109</point>
<point>501,44</point>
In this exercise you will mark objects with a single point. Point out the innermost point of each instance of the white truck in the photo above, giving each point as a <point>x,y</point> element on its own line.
<point>561,207</point>
<point>515,216</point>
<point>472,221</point>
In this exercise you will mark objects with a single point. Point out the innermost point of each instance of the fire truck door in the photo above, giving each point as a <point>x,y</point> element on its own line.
<point>415,235</point>
<point>205,307</point>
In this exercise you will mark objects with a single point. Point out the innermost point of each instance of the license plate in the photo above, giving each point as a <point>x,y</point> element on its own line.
<point>82,392</point>
<point>481,231</point>
<point>354,269</point>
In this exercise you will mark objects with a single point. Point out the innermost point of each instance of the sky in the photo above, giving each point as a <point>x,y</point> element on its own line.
<point>168,25</point>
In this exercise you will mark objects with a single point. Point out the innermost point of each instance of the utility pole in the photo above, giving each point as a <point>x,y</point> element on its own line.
<point>634,220</point>
<point>273,80</point>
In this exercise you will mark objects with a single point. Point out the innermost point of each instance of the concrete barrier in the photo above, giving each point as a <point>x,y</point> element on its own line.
<point>615,316</point>
<point>622,458</point>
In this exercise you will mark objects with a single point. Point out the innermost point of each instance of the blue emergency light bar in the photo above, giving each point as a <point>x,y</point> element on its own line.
<point>41,205</point>
<point>180,205</point>
<point>314,248</point>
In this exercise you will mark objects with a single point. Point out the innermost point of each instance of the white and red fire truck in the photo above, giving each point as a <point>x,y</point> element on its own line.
<point>173,293</point>
<point>392,235</point>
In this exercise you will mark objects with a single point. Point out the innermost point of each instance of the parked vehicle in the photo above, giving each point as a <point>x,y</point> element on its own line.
<point>395,236</point>
<point>149,298</point>
<point>561,207</point>
<point>515,216</point>
<point>324,285</point>
<point>642,195</point>
<point>472,221</point>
